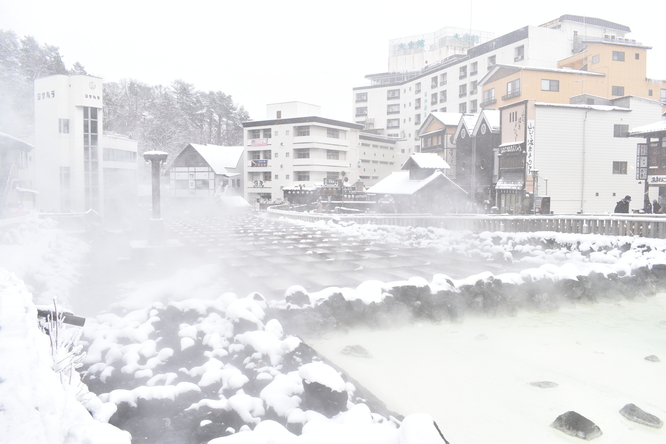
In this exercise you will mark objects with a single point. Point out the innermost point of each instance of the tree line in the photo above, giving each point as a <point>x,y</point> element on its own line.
<point>157,117</point>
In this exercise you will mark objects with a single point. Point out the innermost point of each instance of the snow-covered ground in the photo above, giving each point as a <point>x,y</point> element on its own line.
<point>474,378</point>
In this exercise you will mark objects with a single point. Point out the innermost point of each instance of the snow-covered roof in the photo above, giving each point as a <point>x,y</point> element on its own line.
<point>398,182</point>
<point>650,128</point>
<point>220,157</point>
<point>467,121</point>
<point>584,106</point>
<point>447,118</point>
<point>492,118</point>
<point>427,160</point>
<point>6,139</point>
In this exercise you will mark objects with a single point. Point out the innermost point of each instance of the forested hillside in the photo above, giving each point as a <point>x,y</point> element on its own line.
<point>158,117</point>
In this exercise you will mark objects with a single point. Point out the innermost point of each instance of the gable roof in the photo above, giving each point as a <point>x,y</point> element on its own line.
<point>654,129</point>
<point>491,117</point>
<point>220,158</point>
<point>467,122</point>
<point>436,121</point>
<point>426,161</point>
<point>398,183</point>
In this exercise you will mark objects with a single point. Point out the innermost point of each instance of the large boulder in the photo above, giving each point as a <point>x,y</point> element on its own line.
<point>636,414</point>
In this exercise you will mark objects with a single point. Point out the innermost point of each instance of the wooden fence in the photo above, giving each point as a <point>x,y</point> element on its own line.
<point>616,225</point>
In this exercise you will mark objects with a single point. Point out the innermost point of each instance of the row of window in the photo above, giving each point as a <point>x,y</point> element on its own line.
<point>302,153</point>
<point>114,155</point>
<point>299,131</point>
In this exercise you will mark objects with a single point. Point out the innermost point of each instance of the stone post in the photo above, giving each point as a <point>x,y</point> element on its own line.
<point>156,158</point>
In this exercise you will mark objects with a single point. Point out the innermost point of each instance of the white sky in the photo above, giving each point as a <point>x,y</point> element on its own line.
<point>262,52</point>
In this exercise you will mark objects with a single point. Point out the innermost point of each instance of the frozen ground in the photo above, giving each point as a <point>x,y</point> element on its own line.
<point>473,378</point>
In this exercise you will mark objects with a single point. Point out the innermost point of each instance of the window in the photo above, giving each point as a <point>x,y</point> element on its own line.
<point>267,176</point>
<point>286,155</point>
<point>276,177</point>
<point>332,133</point>
<point>278,115</point>
<point>417,103</point>
<point>637,56</point>
<point>492,61</point>
<point>65,178</point>
<point>473,106</point>
<point>332,176</point>
<point>489,97</point>
<point>393,123</point>
<point>287,176</point>
<point>650,92</point>
<point>302,154</point>
<point>417,119</point>
<point>617,90</point>
<point>90,157</point>
<point>362,97</point>
<point>663,95</point>
<point>473,87</point>
<point>417,88</point>
<point>114,155</point>
<point>462,108</point>
<point>442,110</point>
<point>276,155</point>
<point>433,98</point>
<point>620,130</point>
<point>254,155</point>
<point>332,155</point>
<point>463,72</point>
<point>462,90</point>
<point>393,109</point>
<point>550,85</point>
<point>266,154</point>
<point>302,176</point>
<point>595,59</point>
<point>619,167</point>
<point>393,94</point>
<point>474,68</point>
<point>443,79</point>
<point>512,89</point>
<point>254,134</point>
<point>302,131</point>
<point>519,53</point>
<point>433,82</point>
<point>63,126</point>
<point>618,56</point>
<point>361,110</point>
<point>442,96</point>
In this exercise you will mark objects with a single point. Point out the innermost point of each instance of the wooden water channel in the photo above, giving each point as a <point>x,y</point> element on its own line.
<point>613,224</point>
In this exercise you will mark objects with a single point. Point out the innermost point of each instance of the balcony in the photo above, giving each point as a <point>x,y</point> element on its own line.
<point>518,58</point>
<point>462,76</point>
<point>511,95</point>
<point>488,103</point>
<point>433,85</point>
<point>473,73</point>
<point>442,83</point>
<point>463,94</point>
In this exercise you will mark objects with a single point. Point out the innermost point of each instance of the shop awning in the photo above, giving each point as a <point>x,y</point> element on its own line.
<point>511,180</point>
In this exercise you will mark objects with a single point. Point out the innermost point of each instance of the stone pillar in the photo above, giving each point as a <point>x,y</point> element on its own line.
<point>156,158</point>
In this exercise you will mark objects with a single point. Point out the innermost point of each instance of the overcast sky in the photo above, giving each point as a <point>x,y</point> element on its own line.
<point>262,52</point>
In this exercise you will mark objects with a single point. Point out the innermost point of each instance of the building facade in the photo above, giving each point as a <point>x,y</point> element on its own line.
<point>71,152</point>
<point>579,156</point>
<point>16,193</point>
<point>295,146</point>
<point>396,104</point>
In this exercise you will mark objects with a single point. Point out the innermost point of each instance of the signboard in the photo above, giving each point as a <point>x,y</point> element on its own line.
<point>529,143</point>
<point>258,142</point>
<point>642,161</point>
<point>657,180</point>
<point>259,163</point>
<point>510,149</point>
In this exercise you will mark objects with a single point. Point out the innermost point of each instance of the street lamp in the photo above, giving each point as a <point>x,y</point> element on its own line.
<point>535,175</point>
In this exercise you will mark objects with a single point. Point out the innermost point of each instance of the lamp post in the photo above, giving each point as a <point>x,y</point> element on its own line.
<point>156,223</point>
<point>535,175</point>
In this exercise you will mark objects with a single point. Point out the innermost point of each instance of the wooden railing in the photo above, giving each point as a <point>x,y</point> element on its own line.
<point>615,225</point>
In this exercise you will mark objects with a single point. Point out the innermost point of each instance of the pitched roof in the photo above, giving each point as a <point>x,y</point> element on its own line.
<point>649,129</point>
<point>426,160</point>
<point>220,158</point>
<point>492,119</point>
<point>398,182</point>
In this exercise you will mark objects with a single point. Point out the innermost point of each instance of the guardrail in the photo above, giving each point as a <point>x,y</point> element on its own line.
<point>613,225</point>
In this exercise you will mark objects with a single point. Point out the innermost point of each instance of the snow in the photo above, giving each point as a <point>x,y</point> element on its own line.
<point>473,378</point>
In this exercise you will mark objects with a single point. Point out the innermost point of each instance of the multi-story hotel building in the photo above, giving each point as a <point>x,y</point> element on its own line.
<point>533,62</point>
<point>75,165</point>
<point>296,147</point>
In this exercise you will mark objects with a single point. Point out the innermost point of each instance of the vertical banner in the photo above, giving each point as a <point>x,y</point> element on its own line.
<point>529,146</point>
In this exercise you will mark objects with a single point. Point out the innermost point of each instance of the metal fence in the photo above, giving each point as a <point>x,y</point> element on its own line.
<point>616,225</point>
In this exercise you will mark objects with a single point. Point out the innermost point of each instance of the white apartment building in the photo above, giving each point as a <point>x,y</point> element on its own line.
<point>73,161</point>
<point>584,158</point>
<point>396,104</point>
<point>295,146</point>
